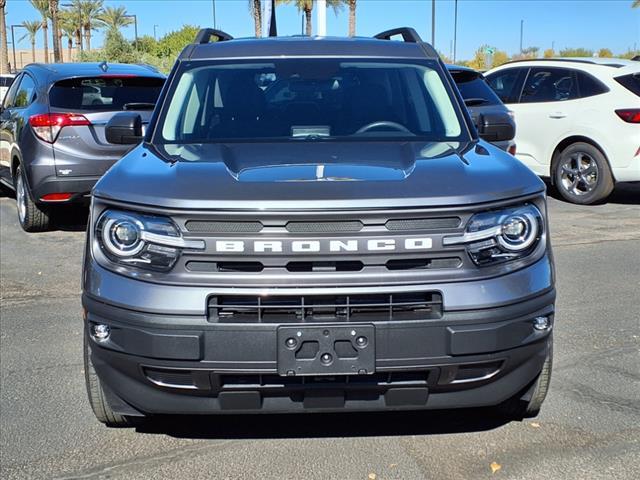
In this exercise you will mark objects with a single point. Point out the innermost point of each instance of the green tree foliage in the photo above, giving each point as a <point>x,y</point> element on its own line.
<point>116,50</point>
<point>114,18</point>
<point>32,27</point>
<point>629,54</point>
<point>147,44</point>
<point>605,53</point>
<point>172,43</point>
<point>479,60</point>
<point>549,53</point>
<point>576,52</point>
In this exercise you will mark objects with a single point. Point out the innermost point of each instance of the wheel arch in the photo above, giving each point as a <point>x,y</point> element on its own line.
<point>555,156</point>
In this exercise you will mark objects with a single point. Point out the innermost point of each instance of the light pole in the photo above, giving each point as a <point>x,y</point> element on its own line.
<point>433,23</point>
<point>321,18</point>
<point>521,30</point>
<point>213,6</point>
<point>13,45</point>
<point>154,32</point>
<point>455,29</point>
<point>135,27</point>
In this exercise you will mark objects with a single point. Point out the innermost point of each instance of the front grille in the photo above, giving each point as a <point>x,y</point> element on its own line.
<point>197,226</point>
<point>406,224</point>
<point>324,227</point>
<point>324,308</point>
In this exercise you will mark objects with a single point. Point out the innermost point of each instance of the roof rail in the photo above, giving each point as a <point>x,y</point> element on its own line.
<point>408,34</point>
<point>205,34</point>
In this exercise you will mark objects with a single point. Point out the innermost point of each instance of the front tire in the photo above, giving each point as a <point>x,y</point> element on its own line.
<point>582,174</point>
<point>519,407</point>
<point>99,404</point>
<point>32,217</point>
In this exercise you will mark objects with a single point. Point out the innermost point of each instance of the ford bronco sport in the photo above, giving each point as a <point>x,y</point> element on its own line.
<point>310,225</point>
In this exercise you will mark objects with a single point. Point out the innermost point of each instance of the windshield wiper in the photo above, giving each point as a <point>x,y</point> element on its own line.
<point>139,106</point>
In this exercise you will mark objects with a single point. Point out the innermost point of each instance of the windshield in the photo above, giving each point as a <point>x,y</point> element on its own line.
<point>308,99</point>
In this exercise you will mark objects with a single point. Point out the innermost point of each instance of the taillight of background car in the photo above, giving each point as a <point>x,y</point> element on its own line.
<point>629,115</point>
<point>47,126</point>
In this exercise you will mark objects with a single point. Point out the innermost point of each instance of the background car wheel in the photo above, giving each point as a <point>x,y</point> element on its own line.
<point>519,407</point>
<point>582,174</point>
<point>97,399</point>
<point>32,217</point>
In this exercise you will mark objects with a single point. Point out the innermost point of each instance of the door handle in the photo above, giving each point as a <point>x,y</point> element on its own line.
<point>557,115</point>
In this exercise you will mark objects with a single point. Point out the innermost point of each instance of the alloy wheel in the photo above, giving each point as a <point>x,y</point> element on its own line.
<point>21,198</point>
<point>579,174</point>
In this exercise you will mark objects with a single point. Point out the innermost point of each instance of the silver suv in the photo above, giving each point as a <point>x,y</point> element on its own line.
<point>53,146</point>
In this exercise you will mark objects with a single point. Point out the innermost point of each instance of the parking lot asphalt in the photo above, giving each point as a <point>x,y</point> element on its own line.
<point>589,427</point>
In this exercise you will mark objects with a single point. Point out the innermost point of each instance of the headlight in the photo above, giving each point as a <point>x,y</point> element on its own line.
<point>501,235</point>
<point>143,241</point>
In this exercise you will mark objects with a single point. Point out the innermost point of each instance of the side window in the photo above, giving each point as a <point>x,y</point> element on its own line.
<point>589,85</point>
<point>549,85</point>
<point>506,83</point>
<point>11,94</point>
<point>25,92</point>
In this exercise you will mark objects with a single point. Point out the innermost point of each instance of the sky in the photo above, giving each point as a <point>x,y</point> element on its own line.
<point>592,24</point>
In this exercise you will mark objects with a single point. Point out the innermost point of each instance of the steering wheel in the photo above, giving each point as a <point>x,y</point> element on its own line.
<point>384,123</point>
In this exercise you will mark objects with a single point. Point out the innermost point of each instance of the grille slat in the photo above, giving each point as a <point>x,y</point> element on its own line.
<point>207,226</point>
<point>383,307</point>
<point>324,227</point>
<point>406,224</point>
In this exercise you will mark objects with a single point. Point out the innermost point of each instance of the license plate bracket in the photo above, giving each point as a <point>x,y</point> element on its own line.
<point>326,350</point>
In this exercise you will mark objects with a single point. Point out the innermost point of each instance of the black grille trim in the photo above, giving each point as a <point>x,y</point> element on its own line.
<point>324,227</point>
<point>199,226</point>
<point>412,224</point>
<point>323,308</point>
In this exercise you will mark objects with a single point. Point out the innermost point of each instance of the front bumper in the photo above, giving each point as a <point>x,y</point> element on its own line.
<point>184,364</point>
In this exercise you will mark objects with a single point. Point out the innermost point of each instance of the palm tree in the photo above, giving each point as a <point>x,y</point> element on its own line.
<point>42,6</point>
<point>67,28</point>
<point>4,50</point>
<point>635,4</point>
<point>306,6</point>
<point>255,8</point>
<point>32,27</point>
<point>53,12</point>
<point>352,17</point>
<point>91,11</point>
<point>114,18</point>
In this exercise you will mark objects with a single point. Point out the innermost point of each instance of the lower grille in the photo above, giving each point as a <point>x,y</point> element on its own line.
<point>325,308</point>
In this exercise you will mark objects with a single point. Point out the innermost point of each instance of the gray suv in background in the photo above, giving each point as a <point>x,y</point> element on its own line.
<point>310,225</point>
<point>493,120</point>
<point>53,146</point>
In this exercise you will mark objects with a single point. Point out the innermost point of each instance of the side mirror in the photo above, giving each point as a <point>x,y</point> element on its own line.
<point>496,126</point>
<point>124,128</point>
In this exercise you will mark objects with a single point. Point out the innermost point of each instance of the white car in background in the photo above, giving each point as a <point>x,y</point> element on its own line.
<point>5,82</point>
<point>577,121</point>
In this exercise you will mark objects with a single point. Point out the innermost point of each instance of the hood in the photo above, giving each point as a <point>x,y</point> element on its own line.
<point>316,175</point>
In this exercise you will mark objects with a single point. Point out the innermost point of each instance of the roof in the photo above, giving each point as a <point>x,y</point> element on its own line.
<point>303,46</point>
<point>461,68</point>
<point>608,62</point>
<point>63,70</point>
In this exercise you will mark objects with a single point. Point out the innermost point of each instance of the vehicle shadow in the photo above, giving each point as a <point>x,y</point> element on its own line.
<point>71,218</point>
<point>623,194</point>
<point>324,425</point>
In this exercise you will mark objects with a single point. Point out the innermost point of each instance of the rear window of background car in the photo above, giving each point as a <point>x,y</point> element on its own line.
<point>590,86</point>
<point>473,86</point>
<point>104,93</point>
<point>631,82</point>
